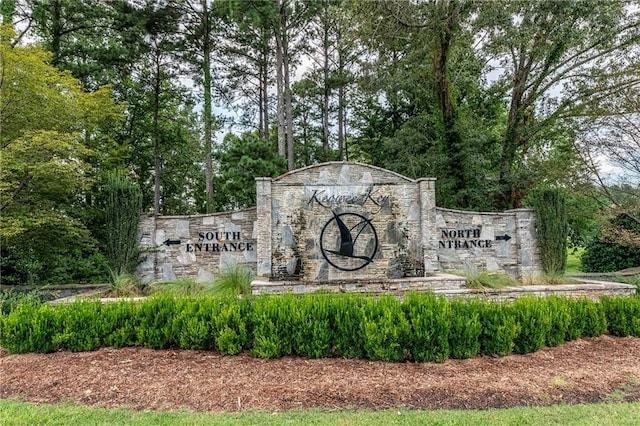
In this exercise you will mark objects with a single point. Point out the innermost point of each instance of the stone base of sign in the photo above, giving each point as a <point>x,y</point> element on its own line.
<point>450,286</point>
<point>399,286</point>
<point>591,290</point>
<point>447,285</point>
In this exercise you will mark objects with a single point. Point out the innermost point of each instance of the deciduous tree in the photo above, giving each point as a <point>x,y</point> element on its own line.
<point>45,120</point>
<point>558,57</point>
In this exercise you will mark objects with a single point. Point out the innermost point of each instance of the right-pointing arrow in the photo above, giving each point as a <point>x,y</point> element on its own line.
<point>504,237</point>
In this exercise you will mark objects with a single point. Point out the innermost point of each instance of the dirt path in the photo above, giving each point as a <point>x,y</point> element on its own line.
<point>586,370</point>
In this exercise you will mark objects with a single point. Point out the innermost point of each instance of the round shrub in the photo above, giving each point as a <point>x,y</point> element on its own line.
<point>602,254</point>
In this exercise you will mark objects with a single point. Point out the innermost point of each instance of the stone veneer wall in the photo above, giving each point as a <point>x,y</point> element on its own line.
<point>294,233</point>
<point>196,247</point>
<point>297,215</point>
<point>474,241</point>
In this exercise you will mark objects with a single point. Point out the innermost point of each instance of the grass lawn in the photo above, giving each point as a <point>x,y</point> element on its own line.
<point>573,261</point>
<point>18,413</point>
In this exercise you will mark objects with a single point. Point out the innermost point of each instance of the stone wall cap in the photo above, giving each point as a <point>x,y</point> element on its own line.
<point>344,163</point>
<point>248,209</point>
<point>518,210</point>
<point>469,212</point>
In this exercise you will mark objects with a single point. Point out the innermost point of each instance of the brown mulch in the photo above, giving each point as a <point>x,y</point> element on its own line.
<point>583,371</point>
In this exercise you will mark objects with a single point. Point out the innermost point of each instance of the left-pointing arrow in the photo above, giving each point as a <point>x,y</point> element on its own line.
<point>169,242</point>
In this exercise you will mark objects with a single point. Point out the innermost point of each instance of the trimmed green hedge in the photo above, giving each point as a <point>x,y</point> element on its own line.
<point>420,328</point>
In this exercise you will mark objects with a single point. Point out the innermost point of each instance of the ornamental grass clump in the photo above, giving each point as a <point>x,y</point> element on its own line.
<point>124,284</point>
<point>486,279</point>
<point>235,280</point>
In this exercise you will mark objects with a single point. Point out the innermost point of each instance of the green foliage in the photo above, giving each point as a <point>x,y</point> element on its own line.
<point>10,298</point>
<point>228,342</point>
<point>155,326</point>
<point>536,48</point>
<point>499,328</point>
<point>430,319</point>
<point>191,323</point>
<point>486,279</point>
<point>535,323</point>
<point>50,133</point>
<point>422,328</point>
<point>552,229</point>
<point>231,321</point>
<point>119,323</point>
<point>589,317</point>
<point>386,330</point>
<point>272,326</point>
<point>68,31</point>
<point>77,328</point>
<point>606,253</point>
<point>582,212</point>
<point>348,319</point>
<point>312,327</point>
<point>30,327</point>
<point>52,250</point>
<point>242,159</point>
<point>573,260</point>
<point>419,117</point>
<point>559,311</point>
<point>123,205</point>
<point>234,280</point>
<point>464,335</point>
<point>124,284</point>
<point>623,315</point>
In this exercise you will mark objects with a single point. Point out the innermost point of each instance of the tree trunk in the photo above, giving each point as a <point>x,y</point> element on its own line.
<point>509,197</point>
<point>282,148</point>
<point>157,161</point>
<point>265,86</point>
<point>341,97</point>
<point>56,32</point>
<point>287,101</point>
<point>341,121</point>
<point>327,89</point>
<point>208,118</point>
<point>454,147</point>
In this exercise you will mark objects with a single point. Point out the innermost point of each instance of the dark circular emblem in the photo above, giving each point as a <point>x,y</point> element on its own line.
<point>348,241</point>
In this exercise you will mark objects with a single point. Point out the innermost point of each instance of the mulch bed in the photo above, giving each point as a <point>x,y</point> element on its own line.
<point>583,371</point>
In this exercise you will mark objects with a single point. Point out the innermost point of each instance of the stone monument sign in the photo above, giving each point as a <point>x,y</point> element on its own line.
<point>340,222</point>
